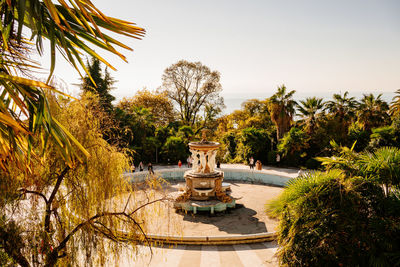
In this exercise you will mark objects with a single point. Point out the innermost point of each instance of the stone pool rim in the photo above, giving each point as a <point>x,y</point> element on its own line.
<point>262,177</point>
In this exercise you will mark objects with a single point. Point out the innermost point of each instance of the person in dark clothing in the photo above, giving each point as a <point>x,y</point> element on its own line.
<point>251,163</point>
<point>218,164</point>
<point>150,168</point>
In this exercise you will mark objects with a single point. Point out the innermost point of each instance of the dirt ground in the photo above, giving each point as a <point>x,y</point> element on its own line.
<point>247,218</point>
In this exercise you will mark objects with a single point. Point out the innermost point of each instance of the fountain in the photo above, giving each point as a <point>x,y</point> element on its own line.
<point>204,189</point>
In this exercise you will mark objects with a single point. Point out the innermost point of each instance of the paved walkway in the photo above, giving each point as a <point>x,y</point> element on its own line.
<point>258,254</point>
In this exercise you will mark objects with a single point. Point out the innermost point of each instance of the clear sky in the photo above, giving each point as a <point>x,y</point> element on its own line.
<point>314,47</point>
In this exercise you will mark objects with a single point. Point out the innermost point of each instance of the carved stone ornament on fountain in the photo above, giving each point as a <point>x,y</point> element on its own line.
<point>203,182</point>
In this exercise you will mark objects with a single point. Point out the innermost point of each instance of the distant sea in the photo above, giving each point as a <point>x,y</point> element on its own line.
<point>234,102</point>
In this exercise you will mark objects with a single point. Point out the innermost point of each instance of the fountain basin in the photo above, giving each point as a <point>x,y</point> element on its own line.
<point>209,206</point>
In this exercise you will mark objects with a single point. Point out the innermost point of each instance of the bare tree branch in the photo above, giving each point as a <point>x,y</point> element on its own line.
<point>60,178</point>
<point>26,191</point>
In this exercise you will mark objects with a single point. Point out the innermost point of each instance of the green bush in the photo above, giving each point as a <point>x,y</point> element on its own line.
<point>383,136</point>
<point>292,147</point>
<point>328,219</point>
<point>230,142</point>
<point>357,134</point>
<point>174,149</point>
<point>253,143</point>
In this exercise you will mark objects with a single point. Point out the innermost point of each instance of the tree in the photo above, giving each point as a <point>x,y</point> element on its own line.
<point>293,145</point>
<point>210,117</point>
<point>192,86</point>
<point>384,136</point>
<point>255,107</point>
<point>135,126</point>
<point>373,112</point>
<point>100,84</point>
<point>281,107</point>
<point>230,142</point>
<point>383,166</point>
<point>74,29</point>
<point>255,143</point>
<point>258,114</point>
<point>359,135</point>
<point>67,208</point>
<point>158,104</point>
<point>174,149</point>
<point>309,111</point>
<point>395,105</point>
<point>294,141</point>
<point>31,137</point>
<point>342,107</point>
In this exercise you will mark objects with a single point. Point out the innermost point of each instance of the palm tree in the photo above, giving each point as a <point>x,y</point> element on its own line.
<point>383,165</point>
<point>373,111</point>
<point>74,28</point>
<point>395,105</point>
<point>309,109</point>
<point>282,109</point>
<point>342,106</point>
<point>342,109</point>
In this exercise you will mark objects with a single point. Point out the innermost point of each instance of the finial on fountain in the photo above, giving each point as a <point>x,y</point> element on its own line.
<point>204,135</point>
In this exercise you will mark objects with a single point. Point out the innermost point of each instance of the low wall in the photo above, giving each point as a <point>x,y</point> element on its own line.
<point>230,174</point>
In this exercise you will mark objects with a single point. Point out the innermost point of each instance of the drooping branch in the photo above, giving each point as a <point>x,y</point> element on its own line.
<point>147,203</point>
<point>26,191</point>
<point>60,178</point>
<point>53,255</point>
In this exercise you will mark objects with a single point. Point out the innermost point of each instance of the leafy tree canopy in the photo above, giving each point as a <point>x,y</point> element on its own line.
<point>192,86</point>
<point>158,104</point>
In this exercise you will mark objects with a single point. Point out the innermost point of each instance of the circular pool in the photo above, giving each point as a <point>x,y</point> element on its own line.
<point>264,177</point>
<point>246,224</point>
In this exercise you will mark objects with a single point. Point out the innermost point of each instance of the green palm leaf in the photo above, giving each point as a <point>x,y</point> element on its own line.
<point>74,28</point>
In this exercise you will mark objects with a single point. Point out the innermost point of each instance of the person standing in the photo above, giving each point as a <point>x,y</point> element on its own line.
<point>150,168</point>
<point>189,161</point>
<point>251,163</point>
<point>179,163</point>
<point>258,165</point>
<point>141,166</point>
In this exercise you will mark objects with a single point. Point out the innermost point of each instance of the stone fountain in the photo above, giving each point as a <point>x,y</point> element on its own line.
<point>204,189</point>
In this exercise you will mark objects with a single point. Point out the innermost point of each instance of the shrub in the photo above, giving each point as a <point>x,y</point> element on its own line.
<point>333,220</point>
<point>356,133</point>
<point>175,149</point>
<point>383,136</point>
<point>253,143</point>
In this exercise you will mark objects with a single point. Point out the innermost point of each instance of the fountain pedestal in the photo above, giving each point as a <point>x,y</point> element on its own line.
<point>203,190</point>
